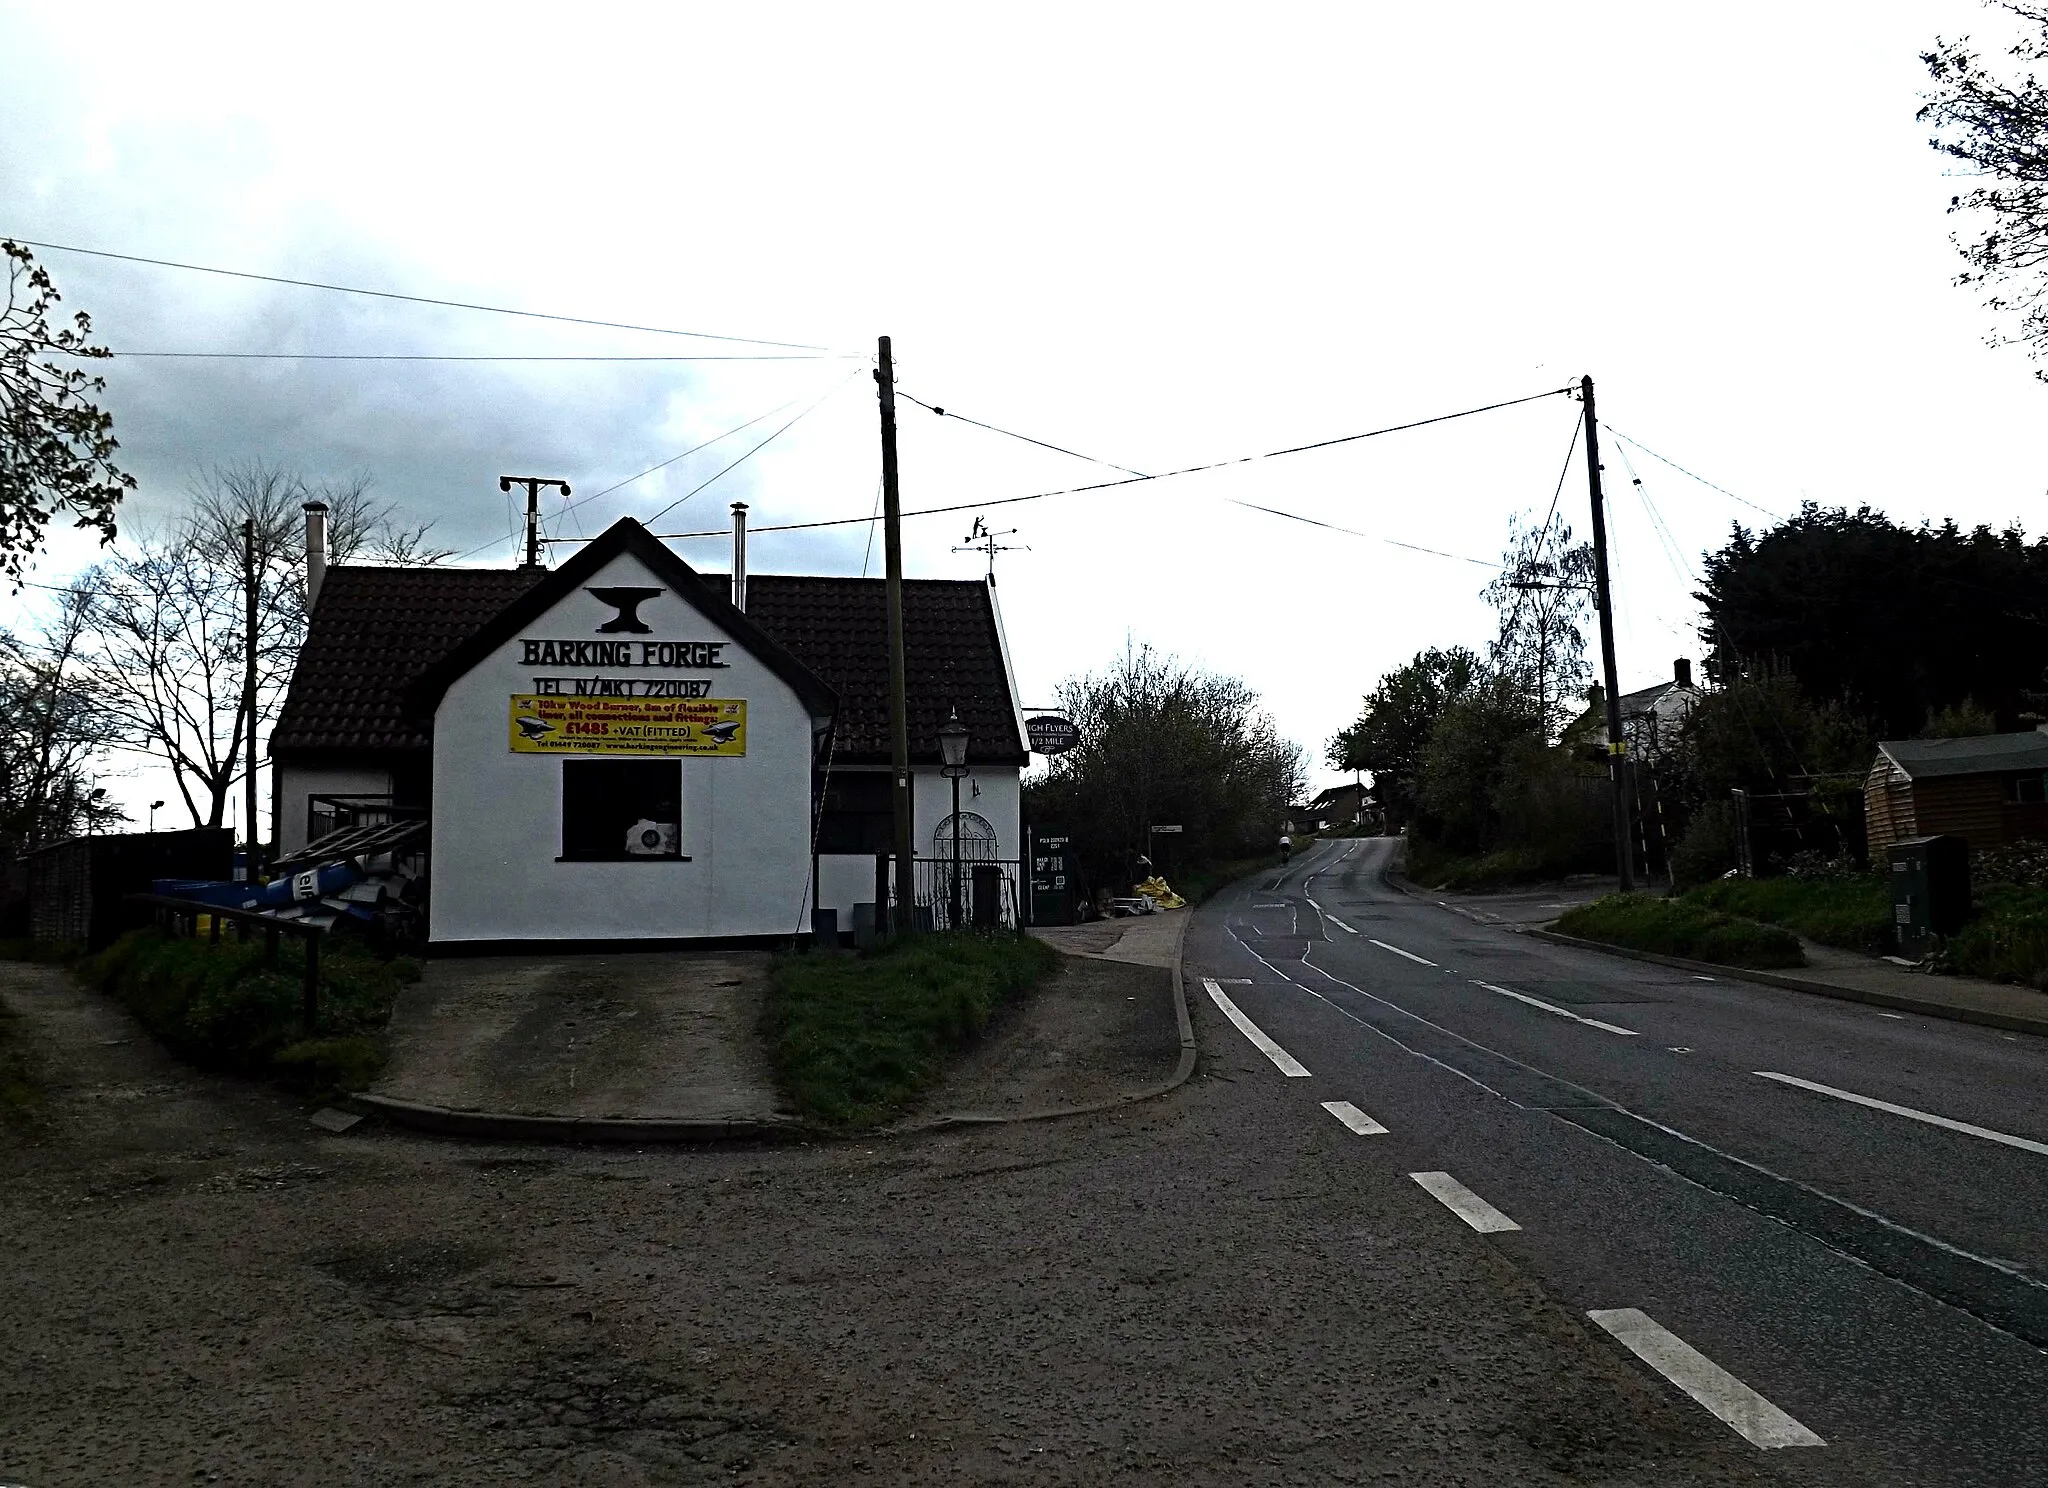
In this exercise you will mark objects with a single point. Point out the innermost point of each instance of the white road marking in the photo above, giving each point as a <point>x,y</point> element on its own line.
<point>1340,924</point>
<point>1754,1418</point>
<point>1285,1062</point>
<point>1399,952</point>
<point>1464,1203</point>
<point>1311,902</point>
<point>1698,978</point>
<point>2025,1144</point>
<point>1354,1118</point>
<point>1240,981</point>
<point>1551,1007</point>
<point>1900,1016</point>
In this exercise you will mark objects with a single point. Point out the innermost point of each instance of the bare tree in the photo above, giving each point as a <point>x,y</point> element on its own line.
<point>170,622</point>
<point>1542,597</point>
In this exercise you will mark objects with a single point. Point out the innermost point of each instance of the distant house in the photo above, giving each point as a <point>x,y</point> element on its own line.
<point>1988,790</point>
<point>1342,804</point>
<point>1650,716</point>
<point>1306,818</point>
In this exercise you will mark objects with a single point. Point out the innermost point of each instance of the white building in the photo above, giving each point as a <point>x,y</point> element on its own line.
<point>614,751</point>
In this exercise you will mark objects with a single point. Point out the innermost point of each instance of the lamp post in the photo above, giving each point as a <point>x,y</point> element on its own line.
<point>153,805</point>
<point>92,804</point>
<point>953,754</point>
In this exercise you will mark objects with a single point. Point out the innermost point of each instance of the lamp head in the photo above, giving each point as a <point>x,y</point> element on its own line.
<point>953,741</point>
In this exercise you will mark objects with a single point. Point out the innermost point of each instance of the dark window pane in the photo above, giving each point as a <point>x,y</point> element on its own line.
<point>859,815</point>
<point>617,809</point>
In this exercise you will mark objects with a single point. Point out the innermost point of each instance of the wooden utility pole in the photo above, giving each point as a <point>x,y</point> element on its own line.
<point>249,687</point>
<point>1617,741</point>
<point>899,706</point>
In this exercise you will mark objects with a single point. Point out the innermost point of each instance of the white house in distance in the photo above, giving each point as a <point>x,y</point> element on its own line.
<point>624,750</point>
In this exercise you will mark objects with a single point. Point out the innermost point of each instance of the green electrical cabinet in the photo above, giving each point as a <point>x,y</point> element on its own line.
<point>1930,880</point>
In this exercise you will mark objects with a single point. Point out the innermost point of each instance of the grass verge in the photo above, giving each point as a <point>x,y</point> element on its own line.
<point>1676,927</point>
<point>220,1008</point>
<point>855,1037</point>
<point>1853,911</point>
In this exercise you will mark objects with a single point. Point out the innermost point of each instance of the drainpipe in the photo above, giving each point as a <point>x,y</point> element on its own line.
<point>316,549</point>
<point>739,556</point>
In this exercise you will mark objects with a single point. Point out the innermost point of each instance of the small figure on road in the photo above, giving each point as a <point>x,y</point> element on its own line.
<point>1286,849</point>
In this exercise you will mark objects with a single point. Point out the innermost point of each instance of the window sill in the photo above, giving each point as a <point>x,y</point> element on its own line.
<point>633,858</point>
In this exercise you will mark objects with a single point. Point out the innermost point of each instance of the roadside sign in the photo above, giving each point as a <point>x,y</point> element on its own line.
<point>1051,734</point>
<point>1054,891</point>
<point>1176,827</point>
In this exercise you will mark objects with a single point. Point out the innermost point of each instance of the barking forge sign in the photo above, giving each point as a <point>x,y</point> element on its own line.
<point>627,725</point>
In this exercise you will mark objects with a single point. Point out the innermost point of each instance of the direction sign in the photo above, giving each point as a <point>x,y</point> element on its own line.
<point>1051,734</point>
<point>1176,827</point>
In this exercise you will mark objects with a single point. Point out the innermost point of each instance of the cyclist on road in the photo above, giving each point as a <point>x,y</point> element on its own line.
<point>1286,849</point>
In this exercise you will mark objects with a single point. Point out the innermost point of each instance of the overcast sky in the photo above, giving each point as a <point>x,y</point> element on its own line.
<point>1160,235</point>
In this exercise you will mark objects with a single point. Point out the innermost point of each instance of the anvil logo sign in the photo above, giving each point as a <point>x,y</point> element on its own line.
<point>627,602</point>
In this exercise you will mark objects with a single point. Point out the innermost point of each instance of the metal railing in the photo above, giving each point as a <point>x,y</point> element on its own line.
<point>970,894</point>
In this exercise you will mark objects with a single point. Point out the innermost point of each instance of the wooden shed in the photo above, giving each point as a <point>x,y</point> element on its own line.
<point>1988,790</point>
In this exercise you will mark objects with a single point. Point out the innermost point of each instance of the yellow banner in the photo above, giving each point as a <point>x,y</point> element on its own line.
<point>618,725</point>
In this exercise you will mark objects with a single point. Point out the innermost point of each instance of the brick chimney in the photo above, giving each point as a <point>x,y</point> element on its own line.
<point>1681,672</point>
<point>316,549</point>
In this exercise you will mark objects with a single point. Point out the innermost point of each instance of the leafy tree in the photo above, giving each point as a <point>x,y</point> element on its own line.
<point>52,729</point>
<point>1472,755</point>
<point>1162,741</point>
<point>56,446</point>
<point>1895,622</point>
<point>1394,726</point>
<point>2000,130</point>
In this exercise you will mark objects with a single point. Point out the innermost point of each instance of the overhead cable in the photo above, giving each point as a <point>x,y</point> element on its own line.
<point>385,294</point>
<point>422,356</point>
<point>934,511</point>
<point>1689,474</point>
<point>798,418</point>
<point>1352,532</point>
<point>1013,434</point>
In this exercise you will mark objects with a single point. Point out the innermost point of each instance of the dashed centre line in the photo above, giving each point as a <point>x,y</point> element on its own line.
<point>1551,1007</point>
<point>1754,1418</point>
<point>1354,1118</point>
<point>1464,1203</point>
<point>1283,1061</point>
<point>1418,960</point>
<point>2025,1144</point>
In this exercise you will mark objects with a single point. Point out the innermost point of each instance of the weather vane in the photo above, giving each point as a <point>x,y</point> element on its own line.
<point>981,540</point>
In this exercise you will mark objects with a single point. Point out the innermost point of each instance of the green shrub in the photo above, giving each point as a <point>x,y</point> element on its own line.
<point>1678,927</point>
<point>1850,910</point>
<point>854,1037</point>
<point>1706,849</point>
<point>2006,939</point>
<point>221,1008</point>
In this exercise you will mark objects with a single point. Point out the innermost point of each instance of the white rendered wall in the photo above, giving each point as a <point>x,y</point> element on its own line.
<point>497,827</point>
<point>296,782</point>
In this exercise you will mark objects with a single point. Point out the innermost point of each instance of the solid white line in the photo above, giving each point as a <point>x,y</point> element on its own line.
<point>2025,1144</point>
<point>1399,952</point>
<point>1312,903</point>
<point>1758,1421</point>
<point>1285,1062</point>
<point>1551,1007</point>
<point>1464,1203</point>
<point>1354,1118</point>
<point>1339,924</point>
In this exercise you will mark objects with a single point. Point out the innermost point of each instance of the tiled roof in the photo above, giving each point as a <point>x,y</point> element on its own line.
<point>372,632</point>
<point>376,630</point>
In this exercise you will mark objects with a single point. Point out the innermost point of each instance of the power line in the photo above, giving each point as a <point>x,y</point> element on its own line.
<point>1012,434</point>
<point>934,511</point>
<point>385,294</point>
<point>1351,532</point>
<point>754,451</point>
<point>418,356</point>
<point>1689,474</point>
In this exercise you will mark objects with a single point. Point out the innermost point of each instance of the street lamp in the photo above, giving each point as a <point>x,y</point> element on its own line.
<point>953,757</point>
<point>92,802</point>
<point>153,805</point>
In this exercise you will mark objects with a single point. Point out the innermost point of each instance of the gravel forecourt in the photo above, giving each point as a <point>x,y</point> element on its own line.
<point>1203,1289</point>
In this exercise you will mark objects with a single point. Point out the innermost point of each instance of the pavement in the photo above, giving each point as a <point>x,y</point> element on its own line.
<point>1784,1208</point>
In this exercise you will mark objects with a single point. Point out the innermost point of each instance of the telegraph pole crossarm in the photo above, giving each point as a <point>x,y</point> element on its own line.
<point>533,483</point>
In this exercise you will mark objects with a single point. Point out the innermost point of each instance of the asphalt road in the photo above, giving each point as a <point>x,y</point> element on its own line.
<point>1859,1290</point>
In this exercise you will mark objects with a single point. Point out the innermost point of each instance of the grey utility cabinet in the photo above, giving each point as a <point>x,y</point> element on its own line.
<point>1930,880</point>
